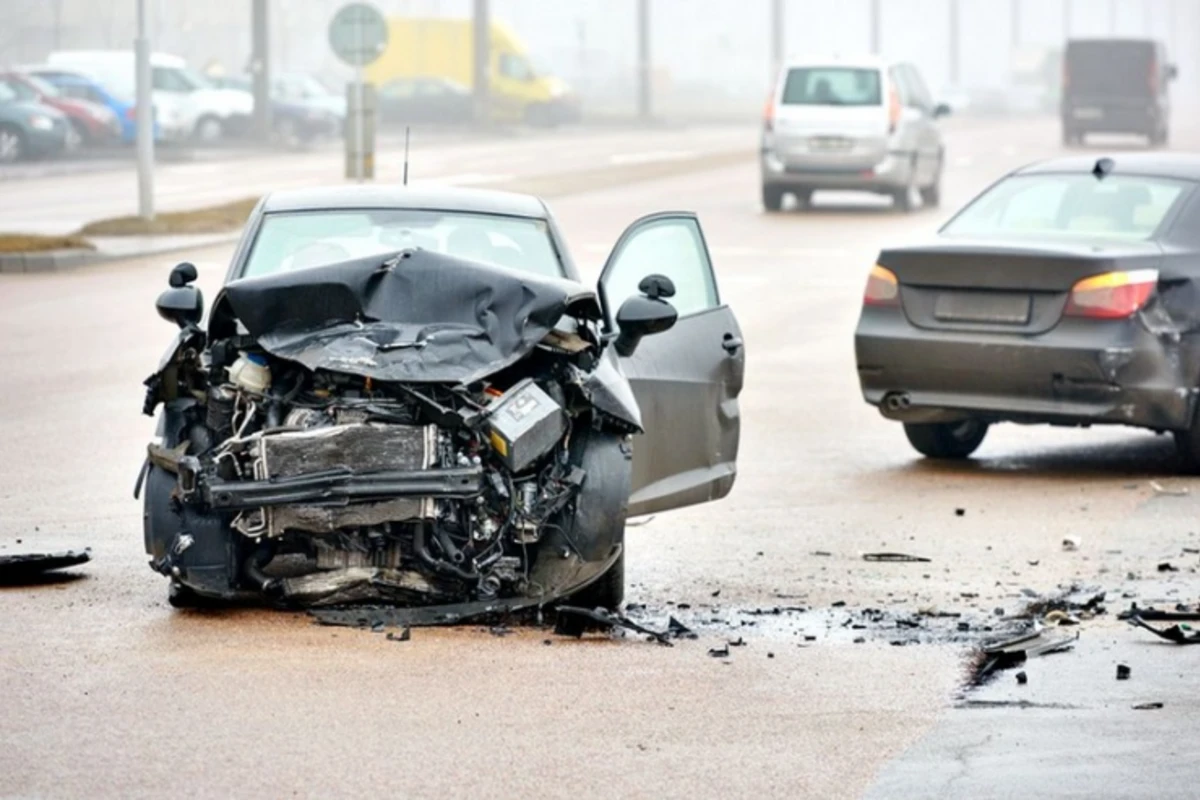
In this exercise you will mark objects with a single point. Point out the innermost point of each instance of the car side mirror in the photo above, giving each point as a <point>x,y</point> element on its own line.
<point>941,110</point>
<point>182,303</point>
<point>645,314</point>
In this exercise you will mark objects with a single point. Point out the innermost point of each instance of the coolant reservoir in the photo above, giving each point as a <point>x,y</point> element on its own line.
<point>251,373</point>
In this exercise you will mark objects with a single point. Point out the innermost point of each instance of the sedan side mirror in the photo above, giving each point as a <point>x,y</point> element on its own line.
<point>646,313</point>
<point>941,110</point>
<point>182,304</point>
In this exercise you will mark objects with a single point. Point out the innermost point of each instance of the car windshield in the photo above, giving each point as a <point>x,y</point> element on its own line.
<point>288,241</point>
<point>832,86</point>
<point>302,85</point>
<point>194,78</point>
<point>1074,205</point>
<point>45,87</point>
<point>18,89</point>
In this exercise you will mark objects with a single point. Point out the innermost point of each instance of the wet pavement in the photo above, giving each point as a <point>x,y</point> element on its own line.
<point>105,685</point>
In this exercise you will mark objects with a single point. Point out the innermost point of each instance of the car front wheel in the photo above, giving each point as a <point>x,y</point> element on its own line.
<point>12,145</point>
<point>946,440</point>
<point>607,591</point>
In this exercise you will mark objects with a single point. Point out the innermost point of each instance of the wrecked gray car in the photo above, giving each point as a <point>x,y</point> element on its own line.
<point>1066,293</point>
<point>408,397</point>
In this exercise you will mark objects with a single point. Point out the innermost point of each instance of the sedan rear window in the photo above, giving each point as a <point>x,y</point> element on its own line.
<point>1119,206</point>
<point>832,86</point>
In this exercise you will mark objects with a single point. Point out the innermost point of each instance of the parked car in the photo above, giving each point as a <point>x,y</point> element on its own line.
<point>295,121</point>
<point>860,125</point>
<point>411,396</point>
<point>1116,86</point>
<point>303,89</point>
<point>1064,294</point>
<point>186,106</point>
<point>441,101</point>
<point>29,129</point>
<point>73,84</point>
<point>91,123</point>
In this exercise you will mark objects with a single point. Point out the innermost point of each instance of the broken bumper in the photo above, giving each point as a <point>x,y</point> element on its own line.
<point>1080,372</point>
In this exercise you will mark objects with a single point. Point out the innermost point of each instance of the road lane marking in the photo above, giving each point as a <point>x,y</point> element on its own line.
<point>649,157</point>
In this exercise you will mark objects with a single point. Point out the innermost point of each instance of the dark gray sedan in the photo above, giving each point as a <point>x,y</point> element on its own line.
<point>1066,293</point>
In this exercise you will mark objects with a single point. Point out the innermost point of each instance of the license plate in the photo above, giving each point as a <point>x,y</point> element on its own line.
<point>1089,113</point>
<point>1005,309</point>
<point>827,144</point>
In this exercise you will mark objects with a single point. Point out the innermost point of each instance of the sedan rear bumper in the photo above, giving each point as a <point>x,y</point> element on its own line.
<point>1081,372</point>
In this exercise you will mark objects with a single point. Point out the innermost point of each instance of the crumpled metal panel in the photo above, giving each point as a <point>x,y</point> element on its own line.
<point>415,317</point>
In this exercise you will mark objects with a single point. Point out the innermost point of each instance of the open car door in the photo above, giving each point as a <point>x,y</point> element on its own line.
<point>686,379</point>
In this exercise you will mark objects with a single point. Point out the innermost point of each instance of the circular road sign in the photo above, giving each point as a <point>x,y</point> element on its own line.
<point>358,34</point>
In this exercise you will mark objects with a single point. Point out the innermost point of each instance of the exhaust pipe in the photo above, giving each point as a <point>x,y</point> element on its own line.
<point>896,401</point>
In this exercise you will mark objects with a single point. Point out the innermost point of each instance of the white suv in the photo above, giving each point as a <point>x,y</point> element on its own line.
<point>864,125</point>
<point>185,105</point>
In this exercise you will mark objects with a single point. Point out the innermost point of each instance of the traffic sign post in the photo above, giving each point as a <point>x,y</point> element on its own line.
<point>358,35</point>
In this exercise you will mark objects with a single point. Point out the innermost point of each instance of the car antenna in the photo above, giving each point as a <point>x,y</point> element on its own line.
<point>1102,168</point>
<point>406,130</point>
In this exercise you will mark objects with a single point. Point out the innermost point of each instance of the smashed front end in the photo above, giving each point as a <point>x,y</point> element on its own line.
<point>415,430</point>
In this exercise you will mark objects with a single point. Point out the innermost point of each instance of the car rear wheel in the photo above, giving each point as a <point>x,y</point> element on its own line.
<point>12,145</point>
<point>772,198</point>
<point>946,440</point>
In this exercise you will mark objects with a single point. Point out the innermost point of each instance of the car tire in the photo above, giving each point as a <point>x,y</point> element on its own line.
<point>77,136</point>
<point>12,144</point>
<point>209,129</point>
<point>286,132</point>
<point>1187,446</point>
<point>772,198</point>
<point>902,200</point>
<point>931,195</point>
<point>946,440</point>
<point>181,596</point>
<point>803,198</point>
<point>607,591</point>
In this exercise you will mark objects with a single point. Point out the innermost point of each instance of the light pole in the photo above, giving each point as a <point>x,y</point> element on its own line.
<point>643,50</point>
<point>145,118</point>
<point>876,27</point>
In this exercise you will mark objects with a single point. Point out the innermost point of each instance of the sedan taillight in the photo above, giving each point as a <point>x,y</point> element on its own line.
<point>882,288</point>
<point>1113,295</point>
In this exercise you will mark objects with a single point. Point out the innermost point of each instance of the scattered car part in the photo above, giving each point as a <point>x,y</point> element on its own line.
<point>31,567</point>
<point>1179,633</point>
<point>1123,672</point>
<point>571,621</point>
<point>897,557</point>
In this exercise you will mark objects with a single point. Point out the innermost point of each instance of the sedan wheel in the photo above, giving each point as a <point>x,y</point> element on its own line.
<point>12,146</point>
<point>946,440</point>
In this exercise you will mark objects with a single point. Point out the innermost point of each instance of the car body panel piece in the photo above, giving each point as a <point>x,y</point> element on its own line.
<point>687,379</point>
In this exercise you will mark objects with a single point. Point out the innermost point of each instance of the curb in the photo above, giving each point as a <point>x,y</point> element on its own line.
<point>550,185</point>
<point>64,260</point>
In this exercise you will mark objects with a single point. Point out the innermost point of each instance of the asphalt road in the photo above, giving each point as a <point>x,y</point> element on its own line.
<point>105,690</point>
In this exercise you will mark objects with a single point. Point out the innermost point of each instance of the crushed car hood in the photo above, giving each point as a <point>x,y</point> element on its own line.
<point>414,316</point>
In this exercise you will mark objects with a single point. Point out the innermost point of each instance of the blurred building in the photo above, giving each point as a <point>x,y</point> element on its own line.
<point>708,54</point>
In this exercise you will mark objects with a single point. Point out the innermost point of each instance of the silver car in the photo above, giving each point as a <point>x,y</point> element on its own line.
<point>862,125</point>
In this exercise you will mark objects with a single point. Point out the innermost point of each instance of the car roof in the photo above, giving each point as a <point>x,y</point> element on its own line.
<point>1185,166</point>
<point>837,60</point>
<point>445,198</point>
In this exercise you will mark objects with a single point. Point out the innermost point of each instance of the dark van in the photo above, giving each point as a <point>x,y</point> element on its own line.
<point>1116,86</point>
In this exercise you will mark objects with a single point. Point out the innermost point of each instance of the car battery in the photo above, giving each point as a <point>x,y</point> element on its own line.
<point>524,424</point>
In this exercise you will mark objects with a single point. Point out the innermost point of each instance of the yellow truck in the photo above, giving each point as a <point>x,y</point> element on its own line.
<point>445,48</point>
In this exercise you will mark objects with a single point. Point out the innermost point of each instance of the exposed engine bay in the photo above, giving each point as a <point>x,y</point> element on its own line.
<point>414,429</point>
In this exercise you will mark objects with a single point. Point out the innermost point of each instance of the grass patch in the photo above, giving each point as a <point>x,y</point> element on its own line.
<point>213,219</point>
<point>31,243</point>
